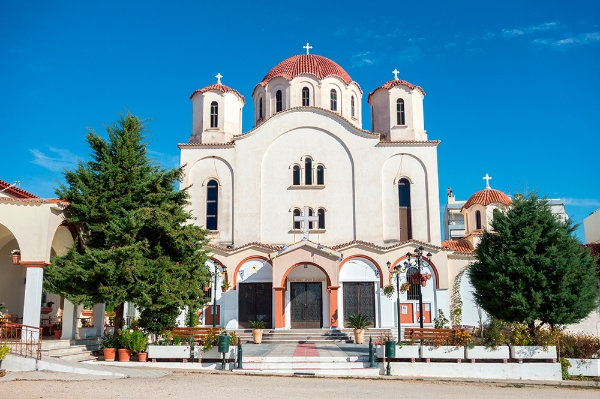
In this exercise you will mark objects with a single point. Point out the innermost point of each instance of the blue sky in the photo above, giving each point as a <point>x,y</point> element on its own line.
<point>512,87</point>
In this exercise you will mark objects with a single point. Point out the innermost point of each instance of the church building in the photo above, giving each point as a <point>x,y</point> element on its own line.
<point>308,213</point>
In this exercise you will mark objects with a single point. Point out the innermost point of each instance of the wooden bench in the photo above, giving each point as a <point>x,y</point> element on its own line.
<point>428,334</point>
<point>197,333</point>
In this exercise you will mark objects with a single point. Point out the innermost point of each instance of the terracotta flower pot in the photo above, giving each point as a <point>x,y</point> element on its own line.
<point>124,355</point>
<point>359,335</point>
<point>57,334</point>
<point>109,354</point>
<point>415,278</point>
<point>143,357</point>
<point>16,259</point>
<point>423,282</point>
<point>257,335</point>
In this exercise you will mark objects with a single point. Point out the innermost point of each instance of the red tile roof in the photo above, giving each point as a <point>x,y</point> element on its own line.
<point>221,88</point>
<point>316,65</point>
<point>487,196</point>
<point>14,191</point>
<point>393,83</point>
<point>458,246</point>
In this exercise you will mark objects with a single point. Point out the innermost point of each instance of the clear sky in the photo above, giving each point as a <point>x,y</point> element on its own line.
<point>513,87</point>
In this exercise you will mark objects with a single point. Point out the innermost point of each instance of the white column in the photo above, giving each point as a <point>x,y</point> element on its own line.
<point>68,321</point>
<point>33,297</point>
<point>98,318</point>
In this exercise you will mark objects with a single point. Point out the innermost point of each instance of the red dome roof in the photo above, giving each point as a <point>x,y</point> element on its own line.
<point>307,63</point>
<point>397,82</point>
<point>488,196</point>
<point>221,88</point>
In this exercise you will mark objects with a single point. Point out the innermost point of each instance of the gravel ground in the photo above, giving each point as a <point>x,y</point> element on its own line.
<point>229,385</point>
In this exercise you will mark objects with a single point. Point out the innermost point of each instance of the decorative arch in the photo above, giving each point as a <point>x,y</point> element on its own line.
<point>239,265</point>
<point>343,262</point>
<point>429,262</point>
<point>284,278</point>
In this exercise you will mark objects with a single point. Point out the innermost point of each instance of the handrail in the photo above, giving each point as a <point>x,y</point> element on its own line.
<point>22,339</point>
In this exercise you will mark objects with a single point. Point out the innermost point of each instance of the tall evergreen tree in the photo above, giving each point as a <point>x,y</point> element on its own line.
<point>532,269</point>
<point>135,240</point>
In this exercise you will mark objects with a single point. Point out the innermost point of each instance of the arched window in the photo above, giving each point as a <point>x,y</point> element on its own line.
<point>352,113</point>
<point>278,101</point>
<point>333,99</point>
<point>296,213</point>
<point>478,220</point>
<point>296,175</point>
<point>321,215</point>
<point>305,97</point>
<point>212,204</point>
<point>405,211</point>
<point>260,108</point>
<point>308,171</point>
<point>310,224</point>
<point>400,112</point>
<point>214,114</point>
<point>320,174</point>
<point>415,284</point>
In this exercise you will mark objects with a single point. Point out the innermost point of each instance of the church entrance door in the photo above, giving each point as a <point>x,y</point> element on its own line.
<point>359,298</point>
<point>307,305</point>
<point>255,302</point>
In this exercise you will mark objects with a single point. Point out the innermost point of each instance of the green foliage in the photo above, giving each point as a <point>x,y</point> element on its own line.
<point>532,268</point>
<point>358,321</point>
<point>154,320</point>
<point>135,240</point>
<point>176,340</point>
<point>210,341</point>
<point>579,345</point>
<point>564,367</point>
<point>257,325</point>
<point>124,339</point>
<point>440,321</point>
<point>493,333</point>
<point>233,338</point>
<point>4,349</point>
<point>138,341</point>
<point>389,290</point>
<point>110,341</point>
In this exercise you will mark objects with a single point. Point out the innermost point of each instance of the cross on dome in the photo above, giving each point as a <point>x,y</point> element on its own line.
<point>305,219</point>
<point>395,72</point>
<point>219,76</point>
<point>307,47</point>
<point>487,180</point>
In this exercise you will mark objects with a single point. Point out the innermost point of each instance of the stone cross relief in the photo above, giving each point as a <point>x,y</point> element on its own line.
<point>219,76</point>
<point>487,180</point>
<point>307,47</point>
<point>305,219</point>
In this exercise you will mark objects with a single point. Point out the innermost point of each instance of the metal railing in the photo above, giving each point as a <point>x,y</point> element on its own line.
<point>22,340</point>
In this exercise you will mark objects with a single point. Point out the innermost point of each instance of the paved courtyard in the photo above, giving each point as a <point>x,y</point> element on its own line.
<point>229,385</point>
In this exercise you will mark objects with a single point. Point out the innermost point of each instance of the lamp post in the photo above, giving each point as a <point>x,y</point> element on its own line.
<point>397,271</point>
<point>419,265</point>
<point>215,274</point>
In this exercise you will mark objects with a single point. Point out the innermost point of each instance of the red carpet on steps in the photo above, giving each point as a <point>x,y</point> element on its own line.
<point>306,350</point>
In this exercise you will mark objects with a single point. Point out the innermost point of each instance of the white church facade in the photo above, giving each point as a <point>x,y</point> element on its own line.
<point>308,211</point>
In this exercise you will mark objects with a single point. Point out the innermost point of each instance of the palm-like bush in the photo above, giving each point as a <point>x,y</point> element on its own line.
<point>358,322</point>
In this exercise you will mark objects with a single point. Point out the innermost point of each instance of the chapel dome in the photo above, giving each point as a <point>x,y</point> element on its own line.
<point>219,87</point>
<point>486,197</point>
<point>316,65</point>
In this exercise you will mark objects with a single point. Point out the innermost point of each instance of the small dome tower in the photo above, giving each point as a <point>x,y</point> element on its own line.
<point>397,111</point>
<point>216,113</point>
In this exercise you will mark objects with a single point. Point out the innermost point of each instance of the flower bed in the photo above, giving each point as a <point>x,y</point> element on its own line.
<point>442,352</point>
<point>168,351</point>
<point>483,352</point>
<point>214,354</point>
<point>533,352</point>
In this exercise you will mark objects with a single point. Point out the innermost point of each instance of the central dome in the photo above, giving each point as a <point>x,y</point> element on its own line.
<point>307,63</point>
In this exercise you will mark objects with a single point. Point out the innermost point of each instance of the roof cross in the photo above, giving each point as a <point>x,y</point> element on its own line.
<point>307,47</point>
<point>305,219</point>
<point>487,180</point>
<point>395,72</point>
<point>219,76</point>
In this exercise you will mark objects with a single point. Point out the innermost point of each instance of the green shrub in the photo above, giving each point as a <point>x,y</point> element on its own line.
<point>358,321</point>
<point>564,367</point>
<point>4,349</point>
<point>138,341</point>
<point>579,345</point>
<point>257,325</point>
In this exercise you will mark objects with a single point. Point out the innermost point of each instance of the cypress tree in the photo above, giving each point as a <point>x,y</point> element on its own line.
<point>532,269</point>
<point>135,241</point>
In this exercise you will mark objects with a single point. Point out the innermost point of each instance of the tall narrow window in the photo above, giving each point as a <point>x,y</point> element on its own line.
<point>320,174</point>
<point>478,220</point>
<point>404,211</point>
<point>310,224</point>
<point>400,112</point>
<point>296,224</point>
<point>305,97</point>
<point>415,284</point>
<point>212,204</point>
<point>308,171</point>
<point>321,214</point>
<point>214,114</point>
<point>278,101</point>
<point>333,99</point>
<point>352,106</point>
<point>260,108</point>
<point>296,175</point>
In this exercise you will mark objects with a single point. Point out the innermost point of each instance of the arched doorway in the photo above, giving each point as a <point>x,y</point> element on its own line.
<point>306,285</point>
<point>255,292</point>
<point>12,282</point>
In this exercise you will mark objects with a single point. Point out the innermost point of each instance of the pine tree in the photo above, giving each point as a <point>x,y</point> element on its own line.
<point>135,240</point>
<point>532,269</point>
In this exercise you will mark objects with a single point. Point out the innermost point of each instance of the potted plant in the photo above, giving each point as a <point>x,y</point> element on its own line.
<point>124,339</point>
<point>388,290</point>
<point>57,331</point>
<point>16,256</point>
<point>109,347</point>
<point>359,323</point>
<point>138,344</point>
<point>87,330</point>
<point>404,287</point>
<point>257,330</point>
<point>225,286</point>
<point>524,346</point>
<point>4,349</point>
<point>164,348</point>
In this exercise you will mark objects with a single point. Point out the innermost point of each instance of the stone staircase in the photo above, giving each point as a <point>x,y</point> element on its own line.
<point>72,350</point>
<point>344,335</point>
<point>330,366</point>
